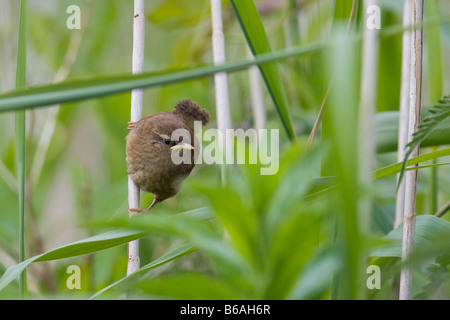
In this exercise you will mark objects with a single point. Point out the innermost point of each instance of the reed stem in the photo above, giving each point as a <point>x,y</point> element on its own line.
<point>409,219</point>
<point>136,114</point>
<point>20,140</point>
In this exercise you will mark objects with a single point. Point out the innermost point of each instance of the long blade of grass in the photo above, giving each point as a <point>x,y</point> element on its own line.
<point>75,90</point>
<point>258,43</point>
<point>89,245</point>
<point>342,133</point>
<point>128,230</point>
<point>68,91</point>
<point>20,139</point>
<point>397,167</point>
<point>169,256</point>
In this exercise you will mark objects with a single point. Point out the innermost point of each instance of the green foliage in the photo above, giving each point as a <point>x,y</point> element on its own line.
<point>397,167</point>
<point>85,246</point>
<point>258,43</point>
<point>430,232</point>
<point>438,114</point>
<point>438,276</point>
<point>292,235</point>
<point>387,127</point>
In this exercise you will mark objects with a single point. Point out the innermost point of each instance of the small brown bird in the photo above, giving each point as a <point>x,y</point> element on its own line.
<point>149,149</point>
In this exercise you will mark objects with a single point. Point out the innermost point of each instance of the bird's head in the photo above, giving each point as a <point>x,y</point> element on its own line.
<point>165,136</point>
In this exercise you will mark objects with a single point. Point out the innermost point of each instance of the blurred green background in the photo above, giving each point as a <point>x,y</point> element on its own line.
<point>75,161</point>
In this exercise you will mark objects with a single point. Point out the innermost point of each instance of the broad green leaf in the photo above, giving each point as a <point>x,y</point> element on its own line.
<point>342,122</point>
<point>291,245</point>
<point>430,232</point>
<point>294,184</point>
<point>236,216</point>
<point>191,229</point>
<point>258,43</point>
<point>89,245</point>
<point>317,274</point>
<point>386,130</point>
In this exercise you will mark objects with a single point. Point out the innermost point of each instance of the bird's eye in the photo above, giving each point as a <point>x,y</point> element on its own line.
<point>167,141</point>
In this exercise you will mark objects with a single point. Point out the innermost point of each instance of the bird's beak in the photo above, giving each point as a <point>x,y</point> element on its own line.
<point>182,146</point>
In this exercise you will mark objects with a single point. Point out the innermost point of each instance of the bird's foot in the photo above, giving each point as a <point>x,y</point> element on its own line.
<point>131,126</point>
<point>141,211</point>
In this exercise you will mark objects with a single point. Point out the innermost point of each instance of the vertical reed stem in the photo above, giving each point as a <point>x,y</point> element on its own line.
<point>19,129</point>
<point>136,114</point>
<point>367,144</point>
<point>223,113</point>
<point>409,219</point>
<point>404,109</point>
<point>366,125</point>
<point>257,98</point>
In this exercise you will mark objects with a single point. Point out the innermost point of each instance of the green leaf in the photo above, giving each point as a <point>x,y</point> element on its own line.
<point>236,216</point>
<point>431,233</point>
<point>395,168</point>
<point>22,47</point>
<point>102,86</point>
<point>439,113</point>
<point>438,276</point>
<point>169,256</point>
<point>191,228</point>
<point>317,274</point>
<point>89,245</point>
<point>294,184</point>
<point>386,130</point>
<point>258,43</point>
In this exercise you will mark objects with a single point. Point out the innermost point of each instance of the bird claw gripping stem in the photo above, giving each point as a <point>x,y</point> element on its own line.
<point>131,125</point>
<point>140,211</point>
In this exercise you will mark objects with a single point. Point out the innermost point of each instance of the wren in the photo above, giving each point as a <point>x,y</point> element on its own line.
<point>149,148</point>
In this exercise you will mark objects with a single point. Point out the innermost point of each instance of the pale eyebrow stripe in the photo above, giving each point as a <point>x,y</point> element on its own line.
<point>164,136</point>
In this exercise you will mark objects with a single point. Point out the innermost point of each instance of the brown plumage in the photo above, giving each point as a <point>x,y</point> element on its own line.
<point>149,149</point>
